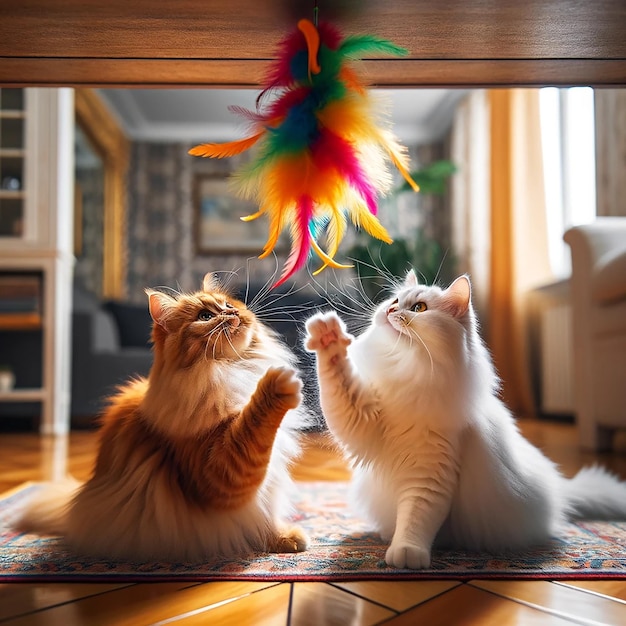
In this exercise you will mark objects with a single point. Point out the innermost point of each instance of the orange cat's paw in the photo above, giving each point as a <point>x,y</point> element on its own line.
<point>326,332</point>
<point>285,385</point>
<point>290,540</point>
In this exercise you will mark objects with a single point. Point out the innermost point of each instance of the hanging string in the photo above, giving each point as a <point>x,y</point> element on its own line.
<point>315,13</point>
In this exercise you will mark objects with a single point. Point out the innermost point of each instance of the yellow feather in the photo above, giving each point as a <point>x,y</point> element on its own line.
<point>335,231</point>
<point>398,156</point>
<point>327,260</point>
<point>362,218</point>
<point>245,184</point>
<point>249,218</point>
<point>277,223</point>
<point>405,173</point>
<point>351,117</point>
<point>271,242</point>
<point>354,117</point>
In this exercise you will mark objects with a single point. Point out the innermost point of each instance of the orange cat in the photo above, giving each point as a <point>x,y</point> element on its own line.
<point>192,461</point>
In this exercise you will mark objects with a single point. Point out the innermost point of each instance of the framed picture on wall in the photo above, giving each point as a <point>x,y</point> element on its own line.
<point>218,227</point>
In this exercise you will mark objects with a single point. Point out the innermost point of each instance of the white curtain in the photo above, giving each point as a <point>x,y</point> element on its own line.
<point>470,196</point>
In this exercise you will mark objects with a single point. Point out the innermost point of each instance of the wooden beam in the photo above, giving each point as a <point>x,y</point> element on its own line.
<point>167,73</point>
<point>229,42</point>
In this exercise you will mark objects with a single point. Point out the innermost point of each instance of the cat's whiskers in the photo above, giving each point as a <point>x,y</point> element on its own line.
<point>268,309</point>
<point>265,288</point>
<point>393,351</point>
<point>430,356</point>
<point>230,342</point>
<point>258,298</point>
<point>356,284</point>
<point>390,281</point>
<point>443,260</point>
<point>362,308</point>
<point>214,336</point>
<point>224,335</point>
<point>165,289</point>
<point>210,341</point>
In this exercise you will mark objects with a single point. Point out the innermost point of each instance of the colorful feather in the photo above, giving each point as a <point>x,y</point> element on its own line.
<point>322,146</point>
<point>223,150</point>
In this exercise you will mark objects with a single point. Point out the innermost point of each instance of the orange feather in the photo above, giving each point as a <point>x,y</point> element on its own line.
<point>225,150</point>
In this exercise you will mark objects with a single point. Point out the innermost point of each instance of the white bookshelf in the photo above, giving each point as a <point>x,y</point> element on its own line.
<point>36,232</point>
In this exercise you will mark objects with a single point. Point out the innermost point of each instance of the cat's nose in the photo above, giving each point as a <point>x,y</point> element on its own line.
<point>392,308</point>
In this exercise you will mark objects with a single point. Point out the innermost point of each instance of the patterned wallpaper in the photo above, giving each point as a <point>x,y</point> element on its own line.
<point>161,239</point>
<point>161,242</point>
<point>89,228</point>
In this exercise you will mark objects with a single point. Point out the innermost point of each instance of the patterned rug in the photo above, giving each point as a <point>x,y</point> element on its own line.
<point>341,548</point>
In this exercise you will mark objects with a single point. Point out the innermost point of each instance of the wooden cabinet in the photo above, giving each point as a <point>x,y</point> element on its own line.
<point>36,235</point>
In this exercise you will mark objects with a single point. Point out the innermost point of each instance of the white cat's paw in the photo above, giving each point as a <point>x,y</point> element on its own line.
<point>326,332</point>
<point>405,555</point>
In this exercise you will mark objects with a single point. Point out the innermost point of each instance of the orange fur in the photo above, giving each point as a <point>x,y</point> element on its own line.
<point>221,467</point>
<point>192,461</point>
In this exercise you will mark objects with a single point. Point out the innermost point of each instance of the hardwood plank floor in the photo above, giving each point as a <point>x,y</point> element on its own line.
<point>29,457</point>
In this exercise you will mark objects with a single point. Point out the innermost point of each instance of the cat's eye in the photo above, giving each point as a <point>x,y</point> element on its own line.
<point>205,315</point>
<point>419,307</point>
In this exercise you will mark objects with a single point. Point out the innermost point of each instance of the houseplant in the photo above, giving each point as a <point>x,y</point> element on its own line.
<point>377,261</point>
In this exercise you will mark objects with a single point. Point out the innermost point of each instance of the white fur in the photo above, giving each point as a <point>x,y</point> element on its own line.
<point>437,455</point>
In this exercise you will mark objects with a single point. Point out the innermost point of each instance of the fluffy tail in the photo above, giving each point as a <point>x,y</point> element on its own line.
<point>46,512</point>
<point>595,493</point>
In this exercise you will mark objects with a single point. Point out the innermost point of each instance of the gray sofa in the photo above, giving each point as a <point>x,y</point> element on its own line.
<point>110,344</point>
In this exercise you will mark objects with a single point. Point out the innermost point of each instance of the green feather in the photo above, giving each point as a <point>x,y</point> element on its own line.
<point>358,46</point>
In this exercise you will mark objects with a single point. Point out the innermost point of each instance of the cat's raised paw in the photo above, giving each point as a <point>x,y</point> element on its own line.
<point>407,556</point>
<point>326,331</point>
<point>284,384</point>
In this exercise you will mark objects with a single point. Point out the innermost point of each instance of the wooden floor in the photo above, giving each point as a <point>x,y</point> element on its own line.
<point>25,457</point>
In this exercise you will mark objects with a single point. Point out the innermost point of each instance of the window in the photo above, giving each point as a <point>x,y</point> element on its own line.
<point>568,141</point>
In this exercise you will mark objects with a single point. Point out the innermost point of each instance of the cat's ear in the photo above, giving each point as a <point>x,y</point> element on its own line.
<point>159,304</point>
<point>210,283</point>
<point>457,296</point>
<point>411,279</point>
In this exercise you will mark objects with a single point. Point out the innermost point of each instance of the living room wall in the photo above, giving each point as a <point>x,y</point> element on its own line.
<point>161,243</point>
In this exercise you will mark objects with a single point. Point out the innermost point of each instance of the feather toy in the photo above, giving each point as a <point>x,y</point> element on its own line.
<point>322,146</point>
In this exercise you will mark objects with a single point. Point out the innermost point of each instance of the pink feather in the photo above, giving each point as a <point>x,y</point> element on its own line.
<point>332,151</point>
<point>301,240</point>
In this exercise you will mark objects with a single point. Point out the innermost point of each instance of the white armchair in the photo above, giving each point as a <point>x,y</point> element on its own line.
<point>598,299</point>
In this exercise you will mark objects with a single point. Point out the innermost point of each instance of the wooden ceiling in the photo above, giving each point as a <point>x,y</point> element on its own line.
<point>158,43</point>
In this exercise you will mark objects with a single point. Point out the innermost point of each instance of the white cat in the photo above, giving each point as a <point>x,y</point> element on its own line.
<point>436,454</point>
